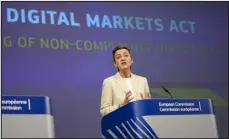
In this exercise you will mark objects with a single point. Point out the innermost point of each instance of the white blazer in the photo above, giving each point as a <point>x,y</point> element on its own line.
<point>113,91</point>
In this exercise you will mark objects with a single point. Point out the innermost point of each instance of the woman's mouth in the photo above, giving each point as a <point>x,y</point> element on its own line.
<point>123,63</point>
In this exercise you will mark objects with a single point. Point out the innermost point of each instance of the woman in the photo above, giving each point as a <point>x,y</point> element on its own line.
<point>124,86</point>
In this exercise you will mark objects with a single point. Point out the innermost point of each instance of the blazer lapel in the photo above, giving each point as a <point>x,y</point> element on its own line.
<point>122,86</point>
<point>118,79</point>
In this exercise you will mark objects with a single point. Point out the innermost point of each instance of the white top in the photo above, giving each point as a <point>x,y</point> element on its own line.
<point>128,83</point>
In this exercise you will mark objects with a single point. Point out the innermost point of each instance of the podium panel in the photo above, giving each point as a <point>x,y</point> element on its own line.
<point>162,118</point>
<point>27,117</point>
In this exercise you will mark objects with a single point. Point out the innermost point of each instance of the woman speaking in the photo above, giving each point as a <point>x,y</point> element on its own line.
<point>124,86</point>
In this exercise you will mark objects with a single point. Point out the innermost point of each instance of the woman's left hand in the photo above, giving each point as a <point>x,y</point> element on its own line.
<point>148,96</point>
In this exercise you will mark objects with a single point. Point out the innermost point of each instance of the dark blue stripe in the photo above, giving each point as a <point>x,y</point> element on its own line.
<point>124,131</point>
<point>130,130</point>
<point>106,134</point>
<point>148,126</point>
<point>116,132</point>
<point>143,127</point>
<point>137,129</point>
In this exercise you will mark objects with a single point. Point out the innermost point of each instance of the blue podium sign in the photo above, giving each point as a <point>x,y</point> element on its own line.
<point>25,105</point>
<point>156,118</point>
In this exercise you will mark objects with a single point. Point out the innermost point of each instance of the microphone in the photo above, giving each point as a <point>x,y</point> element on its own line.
<point>166,90</point>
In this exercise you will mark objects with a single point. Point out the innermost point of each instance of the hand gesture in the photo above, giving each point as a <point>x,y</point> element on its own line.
<point>128,98</point>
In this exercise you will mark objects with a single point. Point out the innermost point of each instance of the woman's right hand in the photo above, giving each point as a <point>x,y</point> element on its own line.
<point>128,98</point>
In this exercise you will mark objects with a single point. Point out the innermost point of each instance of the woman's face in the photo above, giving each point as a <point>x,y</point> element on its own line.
<point>123,59</point>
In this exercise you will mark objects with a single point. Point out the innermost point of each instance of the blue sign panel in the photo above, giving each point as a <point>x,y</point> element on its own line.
<point>158,107</point>
<point>25,105</point>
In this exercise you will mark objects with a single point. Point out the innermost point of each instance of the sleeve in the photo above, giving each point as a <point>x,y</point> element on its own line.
<point>146,87</point>
<point>106,105</point>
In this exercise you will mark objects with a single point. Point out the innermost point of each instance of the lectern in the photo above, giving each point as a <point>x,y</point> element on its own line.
<point>162,118</point>
<point>27,117</point>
